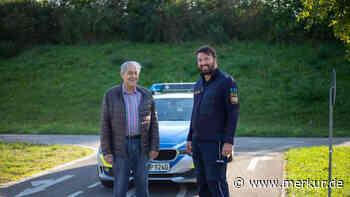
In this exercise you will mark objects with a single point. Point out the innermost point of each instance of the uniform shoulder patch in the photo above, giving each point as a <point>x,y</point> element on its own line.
<point>233,95</point>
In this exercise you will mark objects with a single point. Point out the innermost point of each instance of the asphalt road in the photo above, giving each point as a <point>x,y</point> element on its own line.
<point>256,159</point>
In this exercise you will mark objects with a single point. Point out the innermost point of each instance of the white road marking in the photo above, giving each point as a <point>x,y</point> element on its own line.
<point>252,164</point>
<point>256,154</point>
<point>270,152</point>
<point>40,182</point>
<point>94,185</point>
<point>76,194</point>
<point>255,161</point>
<point>182,191</point>
<point>42,185</point>
<point>131,193</point>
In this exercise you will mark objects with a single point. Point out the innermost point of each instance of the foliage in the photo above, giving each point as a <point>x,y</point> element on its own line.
<point>9,49</point>
<point>25,21</point>
<point>39,22</point>
<point>284,88</point>
<point>84,24</point>
<point>335,13</point>
<point>301,167</point>
<point>172,21</point>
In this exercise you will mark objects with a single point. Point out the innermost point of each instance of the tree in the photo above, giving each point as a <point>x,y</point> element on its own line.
<point>335,12</point>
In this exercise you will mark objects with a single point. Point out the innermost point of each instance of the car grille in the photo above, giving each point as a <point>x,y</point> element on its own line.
<point>190,173</point>
<point>109,171</point>
<point>165,155</point>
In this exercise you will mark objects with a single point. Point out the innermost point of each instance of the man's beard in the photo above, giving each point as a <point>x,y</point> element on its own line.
<point>210,70</point>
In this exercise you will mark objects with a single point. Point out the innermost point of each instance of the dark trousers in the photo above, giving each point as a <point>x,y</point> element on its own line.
<point>210,169</point>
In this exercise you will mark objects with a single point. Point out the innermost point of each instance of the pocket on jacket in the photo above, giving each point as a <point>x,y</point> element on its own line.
<point>208,103</point>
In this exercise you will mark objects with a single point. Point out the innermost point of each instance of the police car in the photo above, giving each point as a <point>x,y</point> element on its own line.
<point>174,102</point>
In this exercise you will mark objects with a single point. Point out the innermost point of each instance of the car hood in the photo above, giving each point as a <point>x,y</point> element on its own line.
<point>173,132</point>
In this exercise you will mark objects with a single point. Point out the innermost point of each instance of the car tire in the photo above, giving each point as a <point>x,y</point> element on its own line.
<point>108,184</point>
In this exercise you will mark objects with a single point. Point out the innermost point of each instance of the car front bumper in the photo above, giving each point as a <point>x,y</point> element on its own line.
<point>181,170</point>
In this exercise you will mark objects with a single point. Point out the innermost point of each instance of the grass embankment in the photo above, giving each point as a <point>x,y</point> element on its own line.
<point>312,164</point>
<point>283,88</point>
<point>19,160</point>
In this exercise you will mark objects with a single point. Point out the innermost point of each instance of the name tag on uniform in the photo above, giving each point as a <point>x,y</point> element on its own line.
<point>198,91</point>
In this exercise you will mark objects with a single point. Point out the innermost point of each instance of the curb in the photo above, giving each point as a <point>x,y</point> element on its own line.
<point>283,191</point>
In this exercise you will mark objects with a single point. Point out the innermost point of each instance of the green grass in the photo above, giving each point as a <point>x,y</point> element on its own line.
<point>302,166</point>
<point>283,88</point>
<point>19,160</point>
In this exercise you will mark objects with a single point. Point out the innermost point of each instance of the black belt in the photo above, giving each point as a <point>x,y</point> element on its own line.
<point>133,136</point>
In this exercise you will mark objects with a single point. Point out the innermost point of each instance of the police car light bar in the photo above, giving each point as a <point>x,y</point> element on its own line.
<point>172,87</point>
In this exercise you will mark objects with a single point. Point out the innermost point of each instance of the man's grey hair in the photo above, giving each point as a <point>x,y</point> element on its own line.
<point>125,65</point>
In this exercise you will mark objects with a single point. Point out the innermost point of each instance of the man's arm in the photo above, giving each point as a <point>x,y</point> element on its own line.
<point>189,136</point>
<point>154,133</point>
<point>189,140</point>
<point>231,109</point>
<point>105,128</point>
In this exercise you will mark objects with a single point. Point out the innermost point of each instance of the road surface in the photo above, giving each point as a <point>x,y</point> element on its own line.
<point>255,159</point>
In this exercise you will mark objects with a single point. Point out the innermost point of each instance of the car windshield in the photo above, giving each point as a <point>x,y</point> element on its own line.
<point>174,109</point>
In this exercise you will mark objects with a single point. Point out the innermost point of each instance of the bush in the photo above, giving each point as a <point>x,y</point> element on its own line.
<point>74,21</point>
<point>27,21</point>
<point>85,23</point>
<point>9,49</point>
<point>30,21</point>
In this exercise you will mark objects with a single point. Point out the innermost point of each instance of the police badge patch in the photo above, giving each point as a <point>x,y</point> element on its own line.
<point>234,96</point>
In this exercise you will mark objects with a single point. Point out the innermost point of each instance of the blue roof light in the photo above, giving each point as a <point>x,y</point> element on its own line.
<point>157,88</point>
<point>172,87</point>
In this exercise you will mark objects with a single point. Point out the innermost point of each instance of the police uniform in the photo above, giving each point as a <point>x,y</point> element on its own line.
<point>213,123</point>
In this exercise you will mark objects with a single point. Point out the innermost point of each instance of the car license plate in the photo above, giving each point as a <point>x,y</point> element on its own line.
<point>159,167</point>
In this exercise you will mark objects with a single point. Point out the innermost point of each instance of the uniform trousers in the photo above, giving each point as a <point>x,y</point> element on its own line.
<point>210,168</point>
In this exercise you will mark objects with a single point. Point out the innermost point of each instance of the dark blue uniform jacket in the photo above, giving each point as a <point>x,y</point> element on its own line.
<point>215,110</point>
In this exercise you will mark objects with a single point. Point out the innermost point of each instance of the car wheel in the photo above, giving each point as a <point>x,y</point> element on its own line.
<point>108,184</point>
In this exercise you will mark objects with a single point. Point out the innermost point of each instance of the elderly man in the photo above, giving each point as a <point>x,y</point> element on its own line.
<point>129,131</point>
<point>213,124</point>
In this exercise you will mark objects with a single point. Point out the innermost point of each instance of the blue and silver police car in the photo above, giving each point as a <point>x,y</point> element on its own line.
<point>174,102</point>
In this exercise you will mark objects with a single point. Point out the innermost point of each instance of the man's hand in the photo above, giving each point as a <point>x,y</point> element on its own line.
<point>189,147</point>
<point>226,149</point>
<point>153,154</point>
<point>108,158</point>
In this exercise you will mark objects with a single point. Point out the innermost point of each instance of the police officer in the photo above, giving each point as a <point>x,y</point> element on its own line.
<point>213,124</point>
